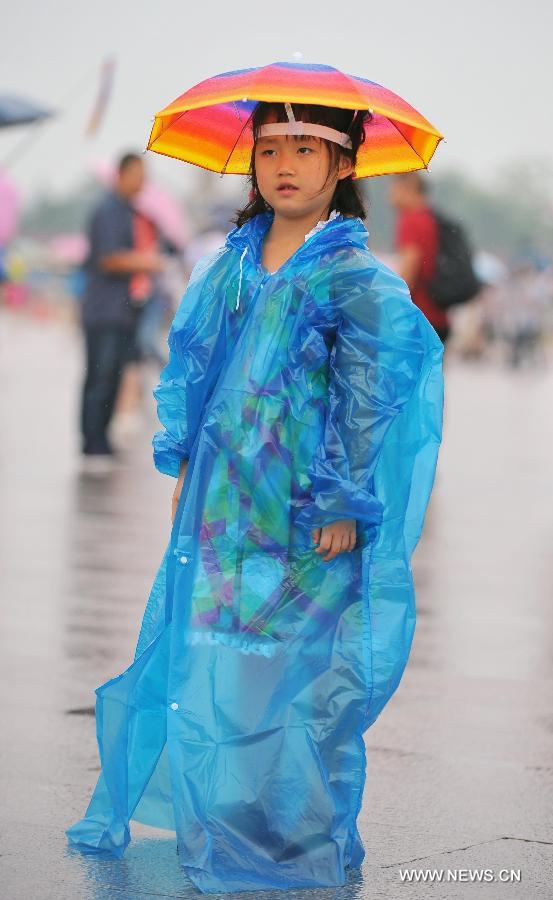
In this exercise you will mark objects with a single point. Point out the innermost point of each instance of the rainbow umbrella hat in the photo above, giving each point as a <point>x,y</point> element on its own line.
<point>208,125</point>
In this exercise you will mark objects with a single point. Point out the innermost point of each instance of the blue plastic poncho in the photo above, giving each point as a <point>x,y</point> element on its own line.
<point>299,398</point>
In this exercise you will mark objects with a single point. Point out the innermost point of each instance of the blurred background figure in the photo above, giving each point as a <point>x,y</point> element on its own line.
<point>160,222</point>
<point>9,220</point>
<point>519,311</point>
<point>211,233</point>
<point>416,244</point>
<point>122,260</point>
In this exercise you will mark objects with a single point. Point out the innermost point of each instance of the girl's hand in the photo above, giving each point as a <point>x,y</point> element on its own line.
<point>178,489</point>
<point>338,537</point>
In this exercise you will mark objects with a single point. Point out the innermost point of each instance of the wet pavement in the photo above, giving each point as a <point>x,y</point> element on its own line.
<point>459,765</point>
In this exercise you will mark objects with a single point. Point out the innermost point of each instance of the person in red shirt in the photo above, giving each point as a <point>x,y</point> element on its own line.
<point>416,241</point>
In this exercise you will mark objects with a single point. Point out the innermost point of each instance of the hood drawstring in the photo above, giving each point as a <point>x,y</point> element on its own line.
<point>245,250</point>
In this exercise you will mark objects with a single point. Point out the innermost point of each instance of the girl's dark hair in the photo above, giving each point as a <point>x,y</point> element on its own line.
<point>347,197</point>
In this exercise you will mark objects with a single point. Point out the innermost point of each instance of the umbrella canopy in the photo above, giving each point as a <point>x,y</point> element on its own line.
<point>10,205</point>
<point>19,111</point>
<point>208,125</point>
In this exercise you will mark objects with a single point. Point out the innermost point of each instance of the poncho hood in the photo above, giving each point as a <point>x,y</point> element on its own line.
<point>337,231</point>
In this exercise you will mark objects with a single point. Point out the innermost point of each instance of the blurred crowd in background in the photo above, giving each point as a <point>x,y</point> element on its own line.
<point>49,252</point>
<point>43,254</point>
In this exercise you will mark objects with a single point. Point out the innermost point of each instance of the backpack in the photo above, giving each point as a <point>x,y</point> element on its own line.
<point>454,281</point>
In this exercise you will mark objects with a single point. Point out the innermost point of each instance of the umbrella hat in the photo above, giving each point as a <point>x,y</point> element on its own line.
<point>208,124</point>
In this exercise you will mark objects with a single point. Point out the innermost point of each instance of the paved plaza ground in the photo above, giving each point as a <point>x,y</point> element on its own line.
<point>459,765</point>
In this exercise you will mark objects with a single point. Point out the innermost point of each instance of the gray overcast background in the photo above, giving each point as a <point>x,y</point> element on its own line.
<point>480,71</point>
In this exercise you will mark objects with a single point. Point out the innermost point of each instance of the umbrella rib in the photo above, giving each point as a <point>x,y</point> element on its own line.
<point>180,158</point>
<point>352,81</point>
<point>408,142</point>
<point>183,113</point>
<point>241,132</point>
<point>162,132</point>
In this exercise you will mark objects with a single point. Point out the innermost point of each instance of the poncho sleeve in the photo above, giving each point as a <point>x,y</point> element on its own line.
<point>375,364</point>
<point>195,340</point>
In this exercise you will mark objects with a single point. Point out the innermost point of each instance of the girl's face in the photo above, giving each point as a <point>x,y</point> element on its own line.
<point>302,164</point>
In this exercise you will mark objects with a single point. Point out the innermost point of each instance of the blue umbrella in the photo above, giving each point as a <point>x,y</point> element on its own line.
<point>20,111</point>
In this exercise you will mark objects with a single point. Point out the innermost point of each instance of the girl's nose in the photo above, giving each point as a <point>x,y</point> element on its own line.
<point>286,163</point>
<point>284,170</point>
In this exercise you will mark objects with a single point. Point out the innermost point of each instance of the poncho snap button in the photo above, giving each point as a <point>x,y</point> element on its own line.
<point>174,705</point>
<point>183,560</point>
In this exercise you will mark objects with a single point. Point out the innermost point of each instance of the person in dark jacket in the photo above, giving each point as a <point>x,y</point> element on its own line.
<point>109,316</point>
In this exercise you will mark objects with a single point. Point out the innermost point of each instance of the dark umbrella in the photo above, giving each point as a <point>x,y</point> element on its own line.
<point>20,111</point>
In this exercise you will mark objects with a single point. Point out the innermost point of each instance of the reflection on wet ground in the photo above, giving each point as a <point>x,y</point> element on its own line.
<point>460,764</point>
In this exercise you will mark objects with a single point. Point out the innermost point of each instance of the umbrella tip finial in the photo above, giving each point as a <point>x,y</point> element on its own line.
<point>297,55</point>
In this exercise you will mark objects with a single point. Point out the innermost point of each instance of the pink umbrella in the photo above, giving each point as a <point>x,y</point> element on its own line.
<point>154,202</point>
<point>9,209</point>
<point>69,249</point>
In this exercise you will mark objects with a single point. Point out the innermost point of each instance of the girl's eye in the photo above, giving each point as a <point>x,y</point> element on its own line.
<point>309,150</point>
<point>264,152</point>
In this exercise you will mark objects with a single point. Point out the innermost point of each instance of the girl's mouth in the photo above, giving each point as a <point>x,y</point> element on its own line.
<point>286,188</point>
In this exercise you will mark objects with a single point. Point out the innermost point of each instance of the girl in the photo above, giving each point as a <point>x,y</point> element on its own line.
<point>301,409</point>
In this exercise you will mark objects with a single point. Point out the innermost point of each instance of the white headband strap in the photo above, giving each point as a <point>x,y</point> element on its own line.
<point>295,127</point>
